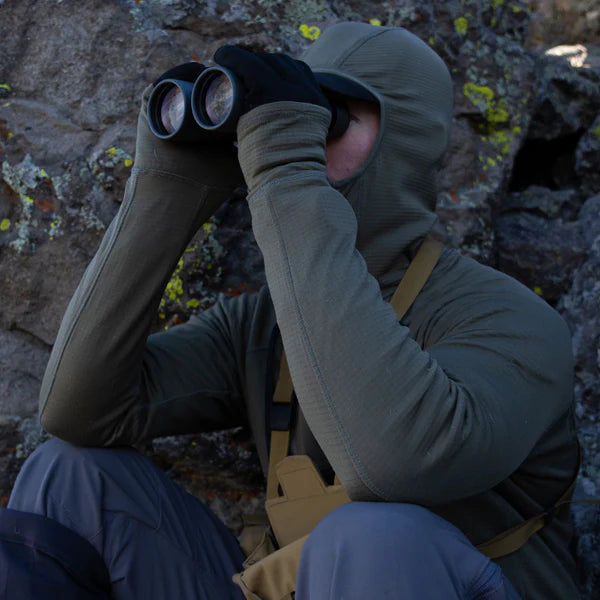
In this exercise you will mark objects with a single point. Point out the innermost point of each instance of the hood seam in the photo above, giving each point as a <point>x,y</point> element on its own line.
<point>358,45</point>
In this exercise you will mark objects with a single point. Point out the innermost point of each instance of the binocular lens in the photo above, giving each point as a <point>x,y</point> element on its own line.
<point>172,110</point>
<point>218,99</point>
<point>186,111</point>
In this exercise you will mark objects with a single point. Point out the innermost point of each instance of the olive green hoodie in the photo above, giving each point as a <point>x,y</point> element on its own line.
<point>463,407</point>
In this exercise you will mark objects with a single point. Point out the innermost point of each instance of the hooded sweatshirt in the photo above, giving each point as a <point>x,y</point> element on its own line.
<point>465,406</point>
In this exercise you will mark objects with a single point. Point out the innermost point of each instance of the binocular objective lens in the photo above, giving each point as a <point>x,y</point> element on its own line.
<point>172,110</point>
<point>218,99</point>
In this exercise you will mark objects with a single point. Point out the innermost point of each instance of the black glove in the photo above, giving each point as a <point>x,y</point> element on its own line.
<point>271,77</point>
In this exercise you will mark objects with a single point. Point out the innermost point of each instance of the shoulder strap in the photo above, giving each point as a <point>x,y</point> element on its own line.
<point>416,276</point>
<point>512,539</point>
<point>280,432</point>
<point>411,284</point>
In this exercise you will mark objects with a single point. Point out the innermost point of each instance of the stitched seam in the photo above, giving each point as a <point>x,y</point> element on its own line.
<point>278,181</point>
<point>475,586</point>
<point>176,177</point>
<point>358,45</point>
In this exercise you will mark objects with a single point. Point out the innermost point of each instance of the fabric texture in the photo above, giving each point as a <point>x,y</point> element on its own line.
<point>40,559</point>
<point>464,407</point>
<point>157,541</point>
<point>409,553</point>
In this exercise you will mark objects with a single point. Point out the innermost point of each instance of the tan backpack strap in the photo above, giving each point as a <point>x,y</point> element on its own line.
<point>512,539</point>
<point>280,438</point>
<point>416,276</point>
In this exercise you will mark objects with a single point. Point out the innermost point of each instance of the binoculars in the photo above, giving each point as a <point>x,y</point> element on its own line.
<point>210,107</point>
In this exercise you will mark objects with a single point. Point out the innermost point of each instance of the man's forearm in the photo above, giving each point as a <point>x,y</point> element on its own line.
<point>94,371</point>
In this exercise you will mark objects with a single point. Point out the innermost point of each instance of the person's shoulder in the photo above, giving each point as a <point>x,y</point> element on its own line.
<point>473,291</point>
<point>465,275</point>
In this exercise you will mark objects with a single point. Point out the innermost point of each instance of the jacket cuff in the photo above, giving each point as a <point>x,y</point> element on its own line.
<point>281,139</point>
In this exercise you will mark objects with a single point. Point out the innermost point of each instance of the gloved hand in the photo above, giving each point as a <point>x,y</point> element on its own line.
<point>271,77</point>
<point>210,163</point>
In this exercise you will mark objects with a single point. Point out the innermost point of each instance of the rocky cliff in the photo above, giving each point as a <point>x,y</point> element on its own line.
<point>519,190</point>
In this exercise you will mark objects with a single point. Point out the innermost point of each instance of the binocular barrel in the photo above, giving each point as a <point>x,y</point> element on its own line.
<point>183,111</point>
<point>210,107</point>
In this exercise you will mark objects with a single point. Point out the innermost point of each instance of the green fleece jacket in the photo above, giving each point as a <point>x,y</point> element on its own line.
<point>464,407</point>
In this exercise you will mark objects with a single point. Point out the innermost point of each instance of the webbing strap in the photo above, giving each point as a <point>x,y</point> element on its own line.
<point>512,539</point>
<point>280,438</point>
<point>411,284</point>
<point>416,276</point>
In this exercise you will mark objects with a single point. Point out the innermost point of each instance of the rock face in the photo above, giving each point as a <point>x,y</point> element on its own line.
<point>564,22</point>
<point>519,190</point>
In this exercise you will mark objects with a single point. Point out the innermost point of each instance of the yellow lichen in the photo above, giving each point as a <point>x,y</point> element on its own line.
<point>127,162</point>
<point>311,33</point>
<point>4,224</point>
<point>376,22</point>
<point>460,25</point>
<point>482,97</point>
<point>5,86</point>
<point>174,288</point>
<point>538,290</point>
<point>193,303</point>
<point>596,132</point>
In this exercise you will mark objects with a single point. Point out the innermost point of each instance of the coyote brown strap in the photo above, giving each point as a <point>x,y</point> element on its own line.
<point>305,501</point>
<point>416,276</point>
<point>280,439</point>
<point>274,577</point>
<point>512,539</point>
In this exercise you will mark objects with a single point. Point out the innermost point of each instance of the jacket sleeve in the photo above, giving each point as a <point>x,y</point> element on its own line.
<point>105,384</point>
<point>399,420</point>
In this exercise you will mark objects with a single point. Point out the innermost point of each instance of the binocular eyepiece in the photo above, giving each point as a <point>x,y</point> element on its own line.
<point>210,107</point>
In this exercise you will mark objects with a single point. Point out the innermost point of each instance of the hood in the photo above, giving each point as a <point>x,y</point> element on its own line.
<point>393,194</point>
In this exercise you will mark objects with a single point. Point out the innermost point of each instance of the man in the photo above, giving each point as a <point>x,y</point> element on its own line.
<point>455,419</point>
